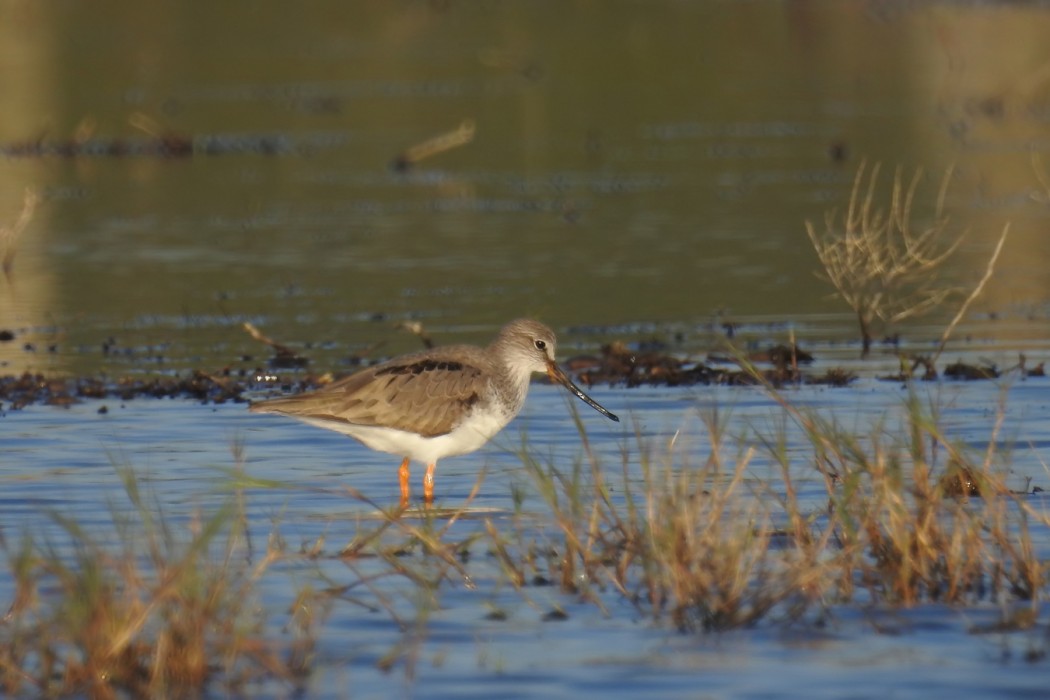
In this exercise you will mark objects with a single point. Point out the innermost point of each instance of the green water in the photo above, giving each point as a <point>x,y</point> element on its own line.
<point>633,164</point>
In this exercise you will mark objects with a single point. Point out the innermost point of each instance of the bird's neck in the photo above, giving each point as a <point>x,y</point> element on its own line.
<point>515,387</point>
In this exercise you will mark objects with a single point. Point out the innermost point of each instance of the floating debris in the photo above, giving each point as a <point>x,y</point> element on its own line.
<point>416,328</point>
<point>460,136</point>
<point>907,373</point>
<point>1022,365</point>
<point>783,356</point>
<point>284,357</point>
<point>9,235</point>
<point>167,145</point>
<point>645,363</point>
<point>962,370</point>
<point>555,615</point>
<point>833,377</point>
<point>618,364</point>
<point>959,482</point>
<point>18,391</point>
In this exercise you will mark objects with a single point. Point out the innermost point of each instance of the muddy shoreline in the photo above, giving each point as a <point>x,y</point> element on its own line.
<point>616,365</point>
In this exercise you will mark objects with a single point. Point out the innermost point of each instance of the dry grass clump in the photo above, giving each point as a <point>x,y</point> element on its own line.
<point>153,608</point>
<point>703,546</point>
<point>154,614</point>
<point>917,518</point>
<point>713,557</point>
<point>910,517</point>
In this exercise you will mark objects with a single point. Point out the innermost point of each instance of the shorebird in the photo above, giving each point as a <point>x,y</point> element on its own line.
<point>440,402</point>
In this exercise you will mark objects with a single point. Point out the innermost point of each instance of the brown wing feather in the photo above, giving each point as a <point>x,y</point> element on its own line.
<point>427,393</point>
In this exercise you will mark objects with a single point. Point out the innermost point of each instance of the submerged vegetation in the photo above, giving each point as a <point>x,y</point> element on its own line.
<point>896,515</point>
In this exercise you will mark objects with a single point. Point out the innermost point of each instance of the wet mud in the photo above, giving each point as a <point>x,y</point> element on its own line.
<point>617,364</point>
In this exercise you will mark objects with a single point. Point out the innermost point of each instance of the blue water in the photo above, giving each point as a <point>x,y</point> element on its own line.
<point>444,642</point>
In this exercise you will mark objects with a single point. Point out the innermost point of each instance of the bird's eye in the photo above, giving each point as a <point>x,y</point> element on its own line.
<point>541,344</point>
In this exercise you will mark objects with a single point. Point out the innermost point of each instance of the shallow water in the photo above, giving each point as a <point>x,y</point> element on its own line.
<point>63,461</point>
<point>637,173</point>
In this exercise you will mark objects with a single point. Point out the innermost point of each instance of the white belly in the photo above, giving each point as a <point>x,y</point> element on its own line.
<point>468,436</point>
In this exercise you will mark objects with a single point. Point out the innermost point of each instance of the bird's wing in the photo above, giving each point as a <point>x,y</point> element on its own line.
<point>427,393</point>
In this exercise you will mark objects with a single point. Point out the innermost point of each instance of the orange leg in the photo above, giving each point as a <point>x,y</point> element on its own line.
<point>403,476</point>
<point>428,484</point>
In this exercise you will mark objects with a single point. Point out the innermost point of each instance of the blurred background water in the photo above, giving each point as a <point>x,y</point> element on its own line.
<point>632,165</point>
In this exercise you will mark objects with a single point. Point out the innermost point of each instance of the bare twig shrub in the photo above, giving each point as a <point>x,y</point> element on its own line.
<point>880,261</point>
<point>974,293</point>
